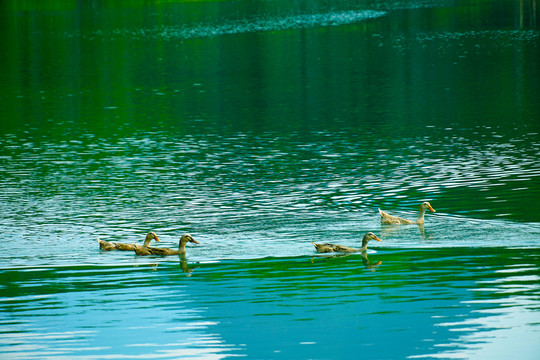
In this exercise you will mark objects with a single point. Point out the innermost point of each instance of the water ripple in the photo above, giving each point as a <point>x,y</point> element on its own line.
<point>463,301</point>
<point>255,196</point>
<point>251,25</point>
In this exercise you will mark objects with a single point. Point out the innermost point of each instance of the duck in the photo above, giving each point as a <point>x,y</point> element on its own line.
<point>328,248</point>
<point>147,250</point>
<point>390,219</point>
<point>109,246</point>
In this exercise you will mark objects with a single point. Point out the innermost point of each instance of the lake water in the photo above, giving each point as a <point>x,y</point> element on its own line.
<point>258,127</point>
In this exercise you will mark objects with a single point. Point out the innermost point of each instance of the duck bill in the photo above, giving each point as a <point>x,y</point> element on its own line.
<point>376,238</point>
<point>431,208</point>
<point>194,241</point>
<point>156,238</point>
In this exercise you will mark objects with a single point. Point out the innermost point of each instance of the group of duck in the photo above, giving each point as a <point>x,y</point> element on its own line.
<point>146,249</point>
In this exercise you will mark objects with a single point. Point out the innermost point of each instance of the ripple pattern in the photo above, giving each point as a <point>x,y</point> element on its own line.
<point>241,26</point>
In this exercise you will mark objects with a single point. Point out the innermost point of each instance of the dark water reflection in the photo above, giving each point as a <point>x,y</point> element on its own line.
<point>259,127</point>
<point>459,303</point>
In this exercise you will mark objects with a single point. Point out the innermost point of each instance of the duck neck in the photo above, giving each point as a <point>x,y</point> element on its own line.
<point>182,247</point>
<point>365,241</point>
<point>421,214</point>
<point>147,240</point>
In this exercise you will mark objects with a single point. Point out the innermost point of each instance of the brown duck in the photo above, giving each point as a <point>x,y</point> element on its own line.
<point>328,248</point>
<point>394,220</point>
<point>147,250</point>
<point>108,246</point>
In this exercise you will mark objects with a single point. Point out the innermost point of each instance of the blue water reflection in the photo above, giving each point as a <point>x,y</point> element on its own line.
<point>438,303</point>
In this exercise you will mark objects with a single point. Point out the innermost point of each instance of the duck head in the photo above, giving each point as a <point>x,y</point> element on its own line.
<point>152,235</point>
<point>369,236</point>
<point>187,238</point>
<point>427,206</point>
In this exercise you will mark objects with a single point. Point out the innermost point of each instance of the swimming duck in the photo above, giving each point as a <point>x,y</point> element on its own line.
<point>389,219</point>
<point>147,250</point>
<point>108,246</point>
<point>327,248</point>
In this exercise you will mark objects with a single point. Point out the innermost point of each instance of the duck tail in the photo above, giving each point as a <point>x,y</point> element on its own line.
<point>105,246</point>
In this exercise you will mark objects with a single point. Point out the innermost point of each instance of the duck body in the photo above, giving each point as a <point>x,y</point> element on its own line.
<point>106,245</point>
<point>330,248</point>
<point>147,250</point>
<point>110,245</point>
<point>388,219</point>
<point>125,247</point>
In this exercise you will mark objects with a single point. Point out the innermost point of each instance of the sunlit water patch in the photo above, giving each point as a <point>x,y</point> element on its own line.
<point>505,318</point>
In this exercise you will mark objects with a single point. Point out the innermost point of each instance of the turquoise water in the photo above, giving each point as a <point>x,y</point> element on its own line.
<point>418,303</point>
<point>259,127</point>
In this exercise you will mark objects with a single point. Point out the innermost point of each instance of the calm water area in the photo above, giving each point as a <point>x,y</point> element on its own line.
<point>258,126</point>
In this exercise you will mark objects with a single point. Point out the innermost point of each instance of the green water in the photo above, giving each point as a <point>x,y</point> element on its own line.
<point>258,127</point>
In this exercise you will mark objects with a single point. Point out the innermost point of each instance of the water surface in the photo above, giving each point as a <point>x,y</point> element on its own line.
<point>435,303</point>
<point>259,127</point>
